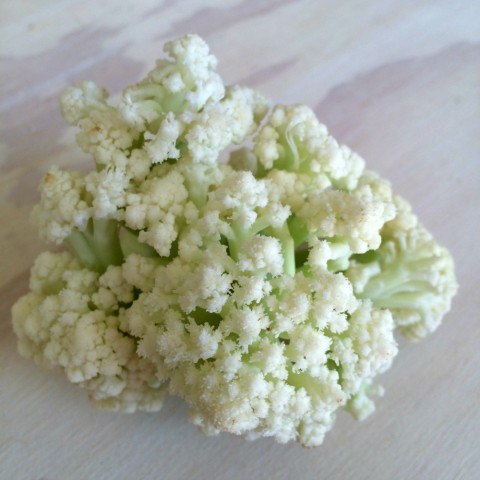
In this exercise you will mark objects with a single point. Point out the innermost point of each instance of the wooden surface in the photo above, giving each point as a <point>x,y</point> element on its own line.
<point>398,81</point>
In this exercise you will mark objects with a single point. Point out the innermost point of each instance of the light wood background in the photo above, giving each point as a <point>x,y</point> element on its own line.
<point>399,81</point>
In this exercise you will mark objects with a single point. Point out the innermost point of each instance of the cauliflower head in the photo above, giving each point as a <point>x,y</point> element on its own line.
<point>227,253</point>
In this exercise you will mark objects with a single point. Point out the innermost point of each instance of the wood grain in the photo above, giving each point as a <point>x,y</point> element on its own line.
<point>398,81</point>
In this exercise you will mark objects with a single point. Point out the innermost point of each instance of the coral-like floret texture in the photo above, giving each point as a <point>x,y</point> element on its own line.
<point>227,252</point>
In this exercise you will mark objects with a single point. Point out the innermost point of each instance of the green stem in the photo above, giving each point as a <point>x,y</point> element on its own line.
<point>288,247</point>
<point>106,242</point>
<point>340,256</point>
<point>81,247</point>
<point>237,236</point>
<point>419,301</point>
<point>147,92</point>
<point>98,246</point>
<point>298,231</point>
<point>155,96</point>
<point>129,243</point>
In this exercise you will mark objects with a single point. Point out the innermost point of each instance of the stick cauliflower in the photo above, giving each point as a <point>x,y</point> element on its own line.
<point>264,289</point>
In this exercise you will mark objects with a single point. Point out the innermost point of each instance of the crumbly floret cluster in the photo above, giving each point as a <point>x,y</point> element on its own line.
<point>261,283</point>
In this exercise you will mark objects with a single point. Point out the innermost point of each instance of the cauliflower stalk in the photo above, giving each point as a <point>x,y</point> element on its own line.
<point>263,284</point>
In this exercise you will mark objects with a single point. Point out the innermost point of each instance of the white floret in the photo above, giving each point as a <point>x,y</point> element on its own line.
<point>62,206</point>
<point>204,284</point>
<point>107,189</point>
<point>48,270</point>
<point>292,307</point>
<point>163,145</point>
<point>136,389</point>
<point>103,132</point>
<point>368,349</point>
<point>410,274</point>
<point>58,326</point>
<point>225,123</point>
<point>246,323</point>
<point>250,289</point>
<point>114,280</point>
<point>77,101</point>
<point>179,343</point>
<point>139,271</point>
<point>193,54</point>
<point>154,210</point>
<point>307,349</point>
<point>208,288</point>
<point>294,140</point>
<point>186,81</point>
<point>238,198</point>
<point>271,359</point>
<point>204,341</point>
<point>356,216</point>
<point>262,254</point>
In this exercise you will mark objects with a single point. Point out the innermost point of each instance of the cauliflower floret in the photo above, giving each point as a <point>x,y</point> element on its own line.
<point>293,139</point>
<point>155,208</point>
<point>262,254</point>
<point>47,275</point>
<point>356,216</point>
<point>197,67</point>
<point>410,274</point>
<point>247,206</point>
<point>246,323</point>
<point>139,271</point>
<point>204,285</point>
<point>263,369</point>
<point>137,389</point>
<point>187,80</point>
<point>163,145</point>
<point>58,325</point>
<point>103,132</point>
<point>250,397</point>
<point>250,289</point>
<point>107,189</point>
<point>238,197</point>
<point>62,206</point>
<point>76,102</point>
<point>307,349</point>
<point>225,123</point>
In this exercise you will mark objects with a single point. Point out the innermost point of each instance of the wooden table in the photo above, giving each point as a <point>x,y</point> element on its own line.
<point>398,81</point>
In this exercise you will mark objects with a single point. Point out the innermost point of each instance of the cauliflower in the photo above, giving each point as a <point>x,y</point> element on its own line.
<point>263,283</point>
<point>73,319</point>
